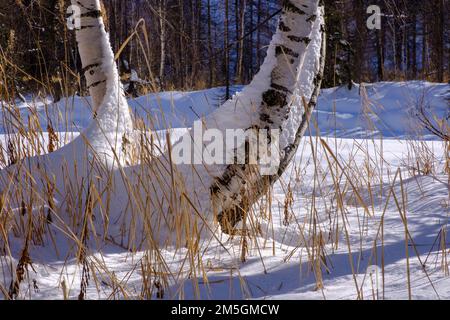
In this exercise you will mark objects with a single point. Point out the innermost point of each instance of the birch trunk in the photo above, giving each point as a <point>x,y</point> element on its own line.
<point>111,123</point>
<point>64,180</point>
<point>176,201</point>
<point>103,143</point>
<point>300,28</point>
<point>91,49</point>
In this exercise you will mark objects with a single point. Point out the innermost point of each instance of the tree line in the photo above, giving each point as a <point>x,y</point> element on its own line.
<point>194,44</point>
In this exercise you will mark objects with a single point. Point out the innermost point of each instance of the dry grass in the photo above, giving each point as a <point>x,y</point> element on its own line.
<point>332,186</point>
<point>324,227</point>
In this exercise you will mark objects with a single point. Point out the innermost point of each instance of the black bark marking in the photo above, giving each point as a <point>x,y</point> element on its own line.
<point>96,84</point>
<point>279,88</point>
<point>228,220</point>
<point>274,98</point>
<point>92,14</point>
<point>225,179</point>
<point>82,5</point>
<point>284,27</point>
<point>88,27</point>
<point>312,18</point>
<point>264,117</point>
<point>89,14</point>
<point>215,188</point>
<point>285,50</point>
<point>306,40</point>
<point>254,127</point>
<point>290,7</point>
<point>89,67</point>
<point>317,79</point>
<point>295,38</point>
<point>289,148</point>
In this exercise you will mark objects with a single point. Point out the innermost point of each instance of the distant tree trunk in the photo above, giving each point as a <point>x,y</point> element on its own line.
<point>194,43</point>
<point>380,55</point>
<point>440,41</point>
<point>414,45</point>
<point>258,33</point>
<point>241,42</point>
<point>249,74</point>
<point>380,46</point>
<point>227,53</point>
<point>408,54</point>
<point>200,38</point>
<point>424,46</point>
<point>237,34</point>
<point>162,24</point>
<point>359,40</point>
<point>181,45</point>
<point>113,23</point>
<point>210,47</point>
<point>398,36</point>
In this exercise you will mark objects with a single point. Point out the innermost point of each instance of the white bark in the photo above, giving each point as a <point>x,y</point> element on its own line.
<point>281,107</point>
<point>111,120</point>
<point>92,47</point>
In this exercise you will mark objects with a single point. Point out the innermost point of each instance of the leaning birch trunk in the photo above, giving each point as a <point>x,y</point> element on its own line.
<point>295,80</point>
<point>181,194</point>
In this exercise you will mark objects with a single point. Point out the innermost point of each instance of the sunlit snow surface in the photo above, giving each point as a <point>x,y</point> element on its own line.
<point>278,264</point>
<point>341,112</point>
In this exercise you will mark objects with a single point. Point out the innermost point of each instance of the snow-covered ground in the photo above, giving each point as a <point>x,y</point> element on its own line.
<point>390,107</point>
<point>370,225</point>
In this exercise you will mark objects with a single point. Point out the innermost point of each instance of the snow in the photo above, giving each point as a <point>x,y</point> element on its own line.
<point>278,264</point>
<point>340,112</point>
<point>389,107</point>
<point>98,161</point>
<point>113,120</point>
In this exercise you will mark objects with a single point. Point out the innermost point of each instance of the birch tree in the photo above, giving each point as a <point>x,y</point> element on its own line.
<point>280,97</point>
<point>101,147</point>
<point>111,117</point>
